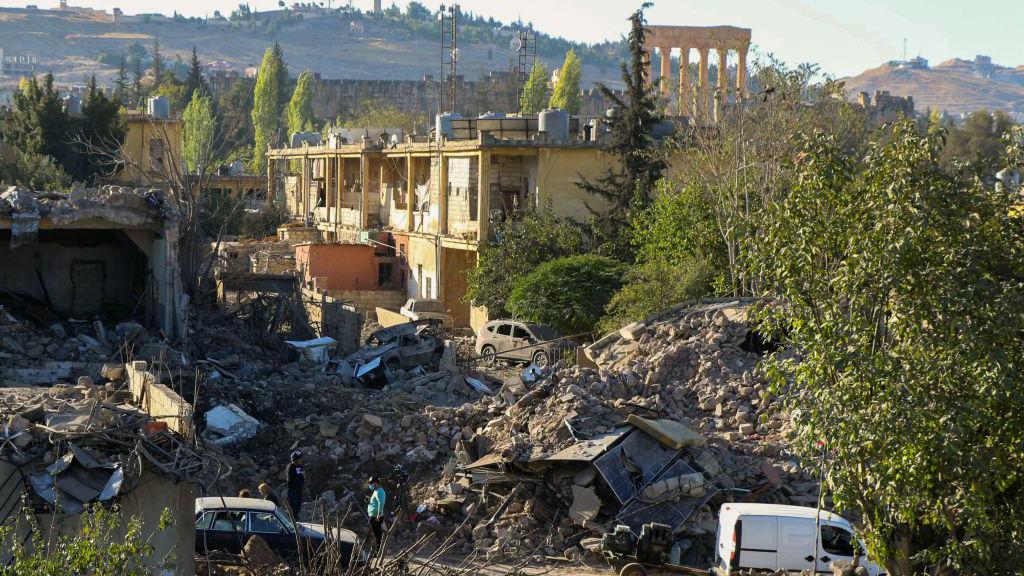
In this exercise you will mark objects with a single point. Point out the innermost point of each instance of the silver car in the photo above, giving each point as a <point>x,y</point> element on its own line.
<point>521,341</point>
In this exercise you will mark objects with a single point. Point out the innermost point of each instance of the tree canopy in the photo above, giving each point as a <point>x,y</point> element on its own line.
<point>568,293</point>
<point>266,110</point>
<point>300,107</point>
<point>536,91</point>
<point>566,95</point>
<point>198,133</point>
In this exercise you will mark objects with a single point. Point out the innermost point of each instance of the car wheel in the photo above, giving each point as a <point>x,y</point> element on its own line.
<point>487,355</point>
<point>633,570</point>
<point>540,358</point>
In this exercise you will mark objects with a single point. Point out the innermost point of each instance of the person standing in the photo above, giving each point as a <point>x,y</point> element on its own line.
<point>375,512</point>
<point>296,482</point>
<point>268,494</point>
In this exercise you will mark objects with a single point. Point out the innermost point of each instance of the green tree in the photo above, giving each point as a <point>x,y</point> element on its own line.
<point>38,123</point>
<point>121,83</point>
<point>194,81</point>
<point>899,285</point>
<point>300,108</point>
<point>627,189</point>
<point>157,63</point>
<point>34,171</point>
<point>655,284</point>
<point>103,545</point>
<point>567,293</point>
<point>523,242</point>
<point>198,133</point>
<point>234,119</point>
<point>101,132</point>
<point>977,142</point>
<point>137,89</point>
<point>536,90</point>
<point>266,112</point>
<point>374,114</point>
<point>566,95</point>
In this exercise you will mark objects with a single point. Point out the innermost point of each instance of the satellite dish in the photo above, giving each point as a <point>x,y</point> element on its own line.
<point>516,44</point>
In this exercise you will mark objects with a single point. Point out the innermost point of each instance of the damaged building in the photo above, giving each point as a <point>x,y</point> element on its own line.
<point>431,203</point>
<point>110,252</point>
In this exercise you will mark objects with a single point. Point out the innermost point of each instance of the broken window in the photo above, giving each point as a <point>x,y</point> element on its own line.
<point>156,154</point>
<point>228,521</point>
<point>520,333</point>
<point>265,523</point>
<point>836,540</point>
<point>505,330</point>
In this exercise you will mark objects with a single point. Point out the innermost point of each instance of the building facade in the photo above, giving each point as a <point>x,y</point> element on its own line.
<point>435,202</point>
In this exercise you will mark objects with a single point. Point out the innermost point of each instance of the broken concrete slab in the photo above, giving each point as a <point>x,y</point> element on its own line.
<point>232,424</point>
<point>670,433</point>
<point>585,505</point>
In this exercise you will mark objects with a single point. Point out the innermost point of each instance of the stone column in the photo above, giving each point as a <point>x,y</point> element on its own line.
<point>271,188</point>
<point>685,97</point>
<point>722,93</point>
<point>666,68</point>
<point>364,193</point>
<point>701,101</point>
<point>410,194</point>
<point>339,188</point>
<point>483,196</point>
<point>442,197</point>
<point>741,72</point>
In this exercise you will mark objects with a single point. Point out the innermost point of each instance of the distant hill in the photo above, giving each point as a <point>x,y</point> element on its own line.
<point>955,86</point>
<point>75,44</point>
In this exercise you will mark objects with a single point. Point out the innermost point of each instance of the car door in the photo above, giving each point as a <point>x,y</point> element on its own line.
<point>226,532</point>
<point>836,543</point>
<point>796,543</point>
<point>757,542</point>
<point>521,340</point>
<point>503,339</point>
<point>269,527</point>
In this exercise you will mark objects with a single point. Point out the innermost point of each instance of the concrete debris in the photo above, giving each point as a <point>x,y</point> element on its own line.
<point>126,206</point>
<point>230,425</point>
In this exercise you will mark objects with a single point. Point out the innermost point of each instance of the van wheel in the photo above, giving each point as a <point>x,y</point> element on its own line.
<point>633,569</point>
<point>541,360</point>
<point>487,355</point>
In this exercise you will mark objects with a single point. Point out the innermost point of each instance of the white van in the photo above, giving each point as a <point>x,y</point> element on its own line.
<point>776,537</point>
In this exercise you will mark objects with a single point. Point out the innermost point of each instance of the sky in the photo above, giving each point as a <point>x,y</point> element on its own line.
<point>844,37</point>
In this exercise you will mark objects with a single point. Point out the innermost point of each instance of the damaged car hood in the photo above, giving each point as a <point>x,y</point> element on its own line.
<point>369,353</point>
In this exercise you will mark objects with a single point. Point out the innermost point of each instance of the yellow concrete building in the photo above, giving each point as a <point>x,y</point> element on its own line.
<point>152,149</point>
<point>435,201</point>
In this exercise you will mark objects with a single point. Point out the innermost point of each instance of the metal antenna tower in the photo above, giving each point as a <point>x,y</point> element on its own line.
<point>449,54</point>
<point>524,43</point>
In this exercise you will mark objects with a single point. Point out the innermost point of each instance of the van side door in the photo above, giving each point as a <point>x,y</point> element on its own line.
<point>757,542</point>
<point>837,543</point>
<point>796,543</point>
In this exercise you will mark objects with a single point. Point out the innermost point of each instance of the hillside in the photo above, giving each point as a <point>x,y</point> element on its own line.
<point>338,45</point>
<point>956,86</point>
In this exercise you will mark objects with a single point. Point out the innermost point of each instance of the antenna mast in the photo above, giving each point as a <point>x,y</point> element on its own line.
<point>449,53</point>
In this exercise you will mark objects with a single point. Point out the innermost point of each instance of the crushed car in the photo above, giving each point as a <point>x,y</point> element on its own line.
<point>406,346</point>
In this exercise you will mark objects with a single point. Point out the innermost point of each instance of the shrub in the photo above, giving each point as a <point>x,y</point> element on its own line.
<point>568,293</point>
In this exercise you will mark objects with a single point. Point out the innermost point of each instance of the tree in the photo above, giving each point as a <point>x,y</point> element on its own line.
<point>523,242</point>
<point>34,171</point>
<point>628,189</point>
<point>536,90</point>
<point>37,123</point>
<point>655,284</point>
<point>137,90</point>
<point>899,303</point>
<point>566,95</point>
<point>567,293</point>
<point>234,116</point>
<point>195,82</point>
<point>198,133</point>
<point>417,11</point>
<point>281,74</point>
<point>977,142</point>
<point>102,128</point>
<point>266,116</point>
<point>157,64</point>
<point>121,83</point>
<point>300,108</point>
<point>374,114</point>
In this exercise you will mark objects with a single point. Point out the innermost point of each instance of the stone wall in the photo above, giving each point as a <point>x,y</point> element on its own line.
<point>366,301</point>
<point>333,317</point>
<point>297,234</point>
<point>463,179</point>
<point>159,400</point>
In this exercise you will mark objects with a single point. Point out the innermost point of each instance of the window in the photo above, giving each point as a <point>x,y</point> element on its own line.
<point>265,523</point>
<point>519,333</point>
<point>203,522</point>
<point>836,540</point>
<point>229,521</point>
<point>505,330</point>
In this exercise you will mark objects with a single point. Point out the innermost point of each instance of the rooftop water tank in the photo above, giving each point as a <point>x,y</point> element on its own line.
<point>158,107</point>
<point>554,123</point>
<point>73,105</point>
<point>443,125</point>
<point>490,122</point>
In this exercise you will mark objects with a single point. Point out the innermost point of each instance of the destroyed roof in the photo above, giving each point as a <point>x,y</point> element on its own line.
<point>125,206</point>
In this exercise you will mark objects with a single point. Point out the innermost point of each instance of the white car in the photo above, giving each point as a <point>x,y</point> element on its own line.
<point>425,308</point>
<point>777,537</point>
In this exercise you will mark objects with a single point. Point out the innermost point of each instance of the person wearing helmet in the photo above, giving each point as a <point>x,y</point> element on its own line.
<point>375,512</point>
<point>296,482</point>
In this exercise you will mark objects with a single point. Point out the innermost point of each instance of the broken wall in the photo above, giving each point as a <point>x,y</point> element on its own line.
<point>463,191</point>
<point>158,400</point>
<point>329,316</point>
<point>81,272</point>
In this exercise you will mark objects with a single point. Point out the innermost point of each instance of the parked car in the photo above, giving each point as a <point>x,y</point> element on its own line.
<point>224,524</point>
<point>777,537</point>
<point>521,341</point>
<point>404,346</point>
<point>424,308</point>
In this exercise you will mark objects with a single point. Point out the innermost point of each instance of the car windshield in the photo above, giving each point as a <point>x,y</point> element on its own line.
<point>428,306</point>
<point>543,332</point>
<point>286,521</point>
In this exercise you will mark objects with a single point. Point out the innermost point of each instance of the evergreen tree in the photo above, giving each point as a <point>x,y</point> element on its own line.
<point>38,123</point>
<point>281,76</point>
<point>566,95</point>
<point>629,188</point>
<point>266,111</point>
<point>536,89</point>
<point>137,84</point>
<point>121,84</point>
<point>195,82</point>
<point>300,108</point>
<point>158,65</point>
<point>102,129</point>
